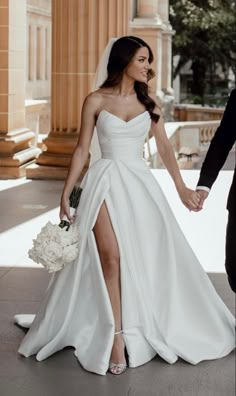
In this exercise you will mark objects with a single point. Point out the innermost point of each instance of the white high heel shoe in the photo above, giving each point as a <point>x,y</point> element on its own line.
<point>117,368</point>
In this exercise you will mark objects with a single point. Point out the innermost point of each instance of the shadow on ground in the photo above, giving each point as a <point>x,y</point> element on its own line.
<point>29,200</point>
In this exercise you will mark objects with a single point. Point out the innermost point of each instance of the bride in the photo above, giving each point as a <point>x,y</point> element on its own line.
<point>136,288</point>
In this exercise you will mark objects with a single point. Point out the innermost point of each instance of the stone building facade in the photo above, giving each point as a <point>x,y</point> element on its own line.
<point>80,31</point>
<point>38,49</point>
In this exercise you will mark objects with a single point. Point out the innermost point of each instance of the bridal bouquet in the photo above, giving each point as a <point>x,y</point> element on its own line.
<point>57,244</point>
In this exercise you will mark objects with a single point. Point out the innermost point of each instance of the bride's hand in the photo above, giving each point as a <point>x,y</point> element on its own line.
<point>65,210</point>
<point>190,198</point>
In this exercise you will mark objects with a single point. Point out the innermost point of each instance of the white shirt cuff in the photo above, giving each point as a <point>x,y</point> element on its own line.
<point>207,189</point>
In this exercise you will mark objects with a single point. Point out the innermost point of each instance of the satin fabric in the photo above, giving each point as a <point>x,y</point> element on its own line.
<point>169,306</point>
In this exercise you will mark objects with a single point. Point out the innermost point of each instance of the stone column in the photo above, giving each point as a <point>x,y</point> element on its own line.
<point>80,32</point>
<point>42,52</point>
<point>48,52</point>
<point>167,60</point>
<point>147,8</point>
<point>32,52</point>
<point>151,23</point>
<point>159,63</point>
<point>163,10</point>
<point>15,138</point>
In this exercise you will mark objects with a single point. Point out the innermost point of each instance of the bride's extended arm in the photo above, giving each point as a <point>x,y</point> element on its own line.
<point>189,197</point>
<point>80,154</point>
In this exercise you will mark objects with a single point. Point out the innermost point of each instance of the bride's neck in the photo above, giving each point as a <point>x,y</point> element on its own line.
<point>125,88</point>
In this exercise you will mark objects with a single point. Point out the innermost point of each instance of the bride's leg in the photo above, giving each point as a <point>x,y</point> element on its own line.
<point>110,260</point>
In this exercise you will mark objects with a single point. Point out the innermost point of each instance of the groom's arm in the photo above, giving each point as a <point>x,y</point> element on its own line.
<point>220,146</point>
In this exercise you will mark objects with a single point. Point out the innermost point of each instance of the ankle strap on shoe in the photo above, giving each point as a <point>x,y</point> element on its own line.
<point>118,332</point>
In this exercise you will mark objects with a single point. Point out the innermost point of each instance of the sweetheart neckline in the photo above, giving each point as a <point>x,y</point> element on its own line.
<point>121,119</point>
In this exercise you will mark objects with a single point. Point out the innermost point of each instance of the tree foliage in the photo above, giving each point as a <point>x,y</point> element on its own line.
<point>205,33</point>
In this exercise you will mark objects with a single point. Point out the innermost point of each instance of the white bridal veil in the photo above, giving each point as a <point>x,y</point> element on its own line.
<point>99,78</point>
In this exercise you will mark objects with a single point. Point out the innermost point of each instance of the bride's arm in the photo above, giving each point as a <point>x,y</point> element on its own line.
<point>189,197</point>
<point>81,152</point>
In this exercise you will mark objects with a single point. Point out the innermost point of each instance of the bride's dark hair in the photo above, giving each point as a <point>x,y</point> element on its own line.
<point>122,53</point>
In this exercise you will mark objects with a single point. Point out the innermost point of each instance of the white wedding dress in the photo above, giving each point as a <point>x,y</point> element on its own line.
<point>169,306</point>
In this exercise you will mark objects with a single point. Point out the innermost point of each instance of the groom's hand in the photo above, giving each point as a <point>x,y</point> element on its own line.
<point>203,195</point>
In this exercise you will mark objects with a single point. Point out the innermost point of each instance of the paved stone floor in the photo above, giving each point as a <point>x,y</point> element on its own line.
<point>21,290</point>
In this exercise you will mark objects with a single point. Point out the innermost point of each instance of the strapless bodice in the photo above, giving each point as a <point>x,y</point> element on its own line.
<point>121,139</point>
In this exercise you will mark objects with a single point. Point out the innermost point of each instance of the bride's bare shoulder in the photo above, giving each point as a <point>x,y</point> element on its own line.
<point>92,103</point>
<point>100,93</point>
<point>96,98</point>
<point>92,98</point>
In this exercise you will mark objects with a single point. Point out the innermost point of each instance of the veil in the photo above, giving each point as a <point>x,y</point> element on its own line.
<point>99,78</point>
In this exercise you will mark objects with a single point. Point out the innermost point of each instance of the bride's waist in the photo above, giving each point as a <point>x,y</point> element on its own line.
<point>122,154</point>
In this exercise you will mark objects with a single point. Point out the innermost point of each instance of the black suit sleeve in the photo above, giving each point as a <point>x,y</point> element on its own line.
<point>221,144</point>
